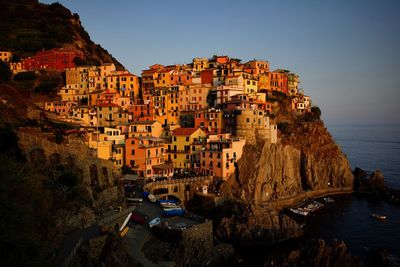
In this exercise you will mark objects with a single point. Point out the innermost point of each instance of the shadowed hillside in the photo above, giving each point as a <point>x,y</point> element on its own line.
<point>27,26</point>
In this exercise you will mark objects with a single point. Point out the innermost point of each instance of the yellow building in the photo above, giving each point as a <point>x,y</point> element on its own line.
<point>125,83</point>
<point>257,67</point>
<point>98,76</point>
<point>264,82</point>
<point>78,77</point>
<point>16,67</point>
<point>110,115</point>
<point>109,145</point>
<point>185,147</point>
<point>250,84</point>
<point>5,56</point>
<point>162,78</point>
<point>293,83</point>
<point>145,128</point>
<point>200,64</point>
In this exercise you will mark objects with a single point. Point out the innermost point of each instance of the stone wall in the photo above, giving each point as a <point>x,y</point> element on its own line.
<point>98,175</point>
<point>196,245</point>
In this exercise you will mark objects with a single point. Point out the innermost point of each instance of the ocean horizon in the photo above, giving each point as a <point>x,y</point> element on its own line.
<point>371,147</point>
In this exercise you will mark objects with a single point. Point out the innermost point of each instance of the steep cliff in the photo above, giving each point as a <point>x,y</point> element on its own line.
<point>305,158</point>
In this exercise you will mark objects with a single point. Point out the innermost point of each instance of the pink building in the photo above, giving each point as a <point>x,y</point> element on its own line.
<point>221,154</point>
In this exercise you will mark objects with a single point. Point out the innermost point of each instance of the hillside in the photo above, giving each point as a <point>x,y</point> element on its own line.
<point>27,26</point>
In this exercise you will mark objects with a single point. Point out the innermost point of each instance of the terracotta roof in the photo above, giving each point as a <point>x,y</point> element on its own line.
<point>184,131</point>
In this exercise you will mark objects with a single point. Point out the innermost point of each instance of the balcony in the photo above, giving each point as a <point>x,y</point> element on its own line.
<point>151,145</point>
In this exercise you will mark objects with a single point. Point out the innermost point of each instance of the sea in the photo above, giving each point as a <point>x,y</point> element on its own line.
<point>369,147</point>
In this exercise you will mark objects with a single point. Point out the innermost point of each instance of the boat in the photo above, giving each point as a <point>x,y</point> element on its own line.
<point>173,212</point>
<point>169,205</point>
<point>172,208</point>
<point>152,198</point>
<point>328,200</point>
<point>299,211</point>
<point>377,216</point>
<point>167,201</point>
<point>154,222</point>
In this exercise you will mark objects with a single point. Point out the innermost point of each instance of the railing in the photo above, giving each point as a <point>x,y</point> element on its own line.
<point>116,216</point>
<point>178,181</point>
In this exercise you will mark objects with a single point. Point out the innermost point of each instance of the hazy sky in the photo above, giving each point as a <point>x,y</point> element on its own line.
<point>346,52</point>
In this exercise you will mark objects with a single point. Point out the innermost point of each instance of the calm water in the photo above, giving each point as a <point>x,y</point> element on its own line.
<point>371,147</point>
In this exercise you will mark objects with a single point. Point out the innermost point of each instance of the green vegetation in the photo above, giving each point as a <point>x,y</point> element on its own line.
<point>49,84</point>
<point>25,76</point>
<point>314,115</point>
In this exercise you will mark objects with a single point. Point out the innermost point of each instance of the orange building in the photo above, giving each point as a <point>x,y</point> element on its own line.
<point>193,97</point>
<point>209,120</point>
<point>143,154</point>
<point>279,80</point>
<point>220,155</point>
<point>141,110</point>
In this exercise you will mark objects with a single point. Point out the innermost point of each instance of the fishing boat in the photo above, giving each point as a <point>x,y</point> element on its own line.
<point>152,198</point>
<point>377,216</point>
<point>299,211</point>
<point>154,222</point>
<point>328,200</point>
<point>169,205</point>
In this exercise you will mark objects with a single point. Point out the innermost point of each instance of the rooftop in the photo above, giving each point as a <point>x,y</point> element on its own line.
<point>184,131</point>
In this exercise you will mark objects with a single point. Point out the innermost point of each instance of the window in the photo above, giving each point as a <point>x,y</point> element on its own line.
<point>175,138</point>
<point>219,165</point>
<point>187,138</point>
<point>132,142</point>
<point>174,156</point>
<point>133,152</point>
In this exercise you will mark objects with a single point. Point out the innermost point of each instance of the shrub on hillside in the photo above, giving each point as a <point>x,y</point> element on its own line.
<point>314,115</point>
<point>25,76</point>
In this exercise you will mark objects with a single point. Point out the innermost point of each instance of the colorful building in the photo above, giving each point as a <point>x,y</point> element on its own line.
<point>5,56</point>
<point>185,147</point>
<point>143,154</point>
<point>209,120</point>
<point>57,59</point>
<point>220,155</point>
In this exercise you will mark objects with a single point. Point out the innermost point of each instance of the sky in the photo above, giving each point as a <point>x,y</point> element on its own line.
<point>347,53</point>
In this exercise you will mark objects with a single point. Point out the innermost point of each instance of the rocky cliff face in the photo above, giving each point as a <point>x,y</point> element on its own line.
<point>304,159</point>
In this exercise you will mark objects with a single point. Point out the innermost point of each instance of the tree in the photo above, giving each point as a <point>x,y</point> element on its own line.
<point>317,111</point>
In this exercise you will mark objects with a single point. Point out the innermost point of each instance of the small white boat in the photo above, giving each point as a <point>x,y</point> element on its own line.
<point>152,198</point>
<point>377,216</point>
<point>174,208</point>
<point>154,222</point>
<point>169,205</point>
<point>328,200</point>
<point>299,211</point>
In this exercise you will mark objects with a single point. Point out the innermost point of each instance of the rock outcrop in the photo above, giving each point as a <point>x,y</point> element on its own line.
<point>319,253</point>
<point>257,225</point>
<point>307,159</point>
